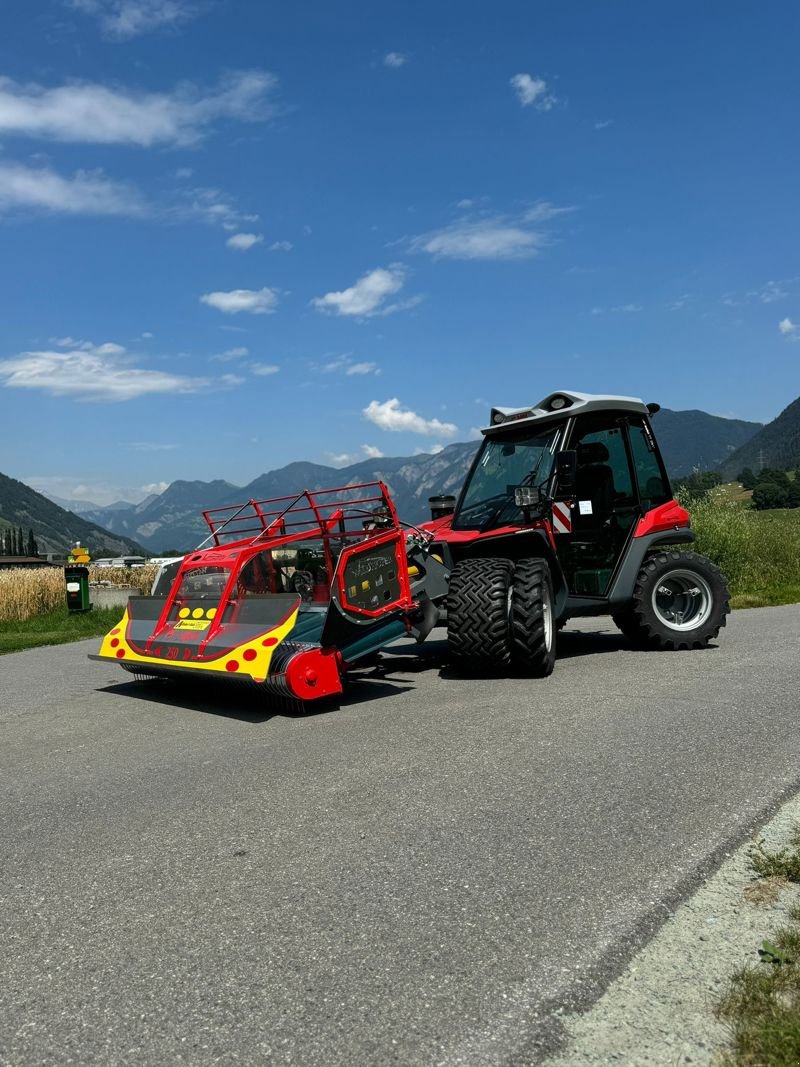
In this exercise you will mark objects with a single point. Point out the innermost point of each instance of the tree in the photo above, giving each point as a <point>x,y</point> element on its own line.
<point>747,478</point>
<point>20,542</point>
<point>768,495</point>
<point>33,548</point>
<point>793,494</point>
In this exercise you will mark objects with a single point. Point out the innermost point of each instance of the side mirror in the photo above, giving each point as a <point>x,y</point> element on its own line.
<point>566,468</point>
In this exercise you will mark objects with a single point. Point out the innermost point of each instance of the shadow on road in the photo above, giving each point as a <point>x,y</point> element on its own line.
<point>388,674</point>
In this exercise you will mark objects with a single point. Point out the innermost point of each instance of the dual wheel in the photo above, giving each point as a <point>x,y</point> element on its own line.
<point>500,617</point>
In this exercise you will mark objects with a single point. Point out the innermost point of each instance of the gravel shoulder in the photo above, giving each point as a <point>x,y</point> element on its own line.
<point>660,1010</point>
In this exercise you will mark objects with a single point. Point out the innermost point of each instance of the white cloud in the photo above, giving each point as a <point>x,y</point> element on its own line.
<point>124,19</point>
<point>208,205</point>
<point>395,60</point>
<point>603,124</point>
<point>492,237</point>
<point>92,372</point>
<point>254,301</point>
<point>481,239</point>
<point>264,369</point>
<point>347,459</point>
<point>388,415</point>
<point>769,292</point>
<point>85,193</point>
<point>152,446</point>
<point>243,241</point>
<point>85,112</point>
<point>232,353</point>
<point>532,91</point>
<point>363,368</point>
<point>367,296</point>
<point>281,246</point>
<point>787,327</point>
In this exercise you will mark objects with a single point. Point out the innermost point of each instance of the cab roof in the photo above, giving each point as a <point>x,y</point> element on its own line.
<point>565,404</point>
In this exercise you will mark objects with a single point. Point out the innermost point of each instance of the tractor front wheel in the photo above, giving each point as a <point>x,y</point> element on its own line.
<point>533,631</point>
<point>477,615</point>
<point>680,601</point>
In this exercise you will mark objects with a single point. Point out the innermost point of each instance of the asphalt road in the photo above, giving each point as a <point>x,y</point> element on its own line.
<point>429,874</point>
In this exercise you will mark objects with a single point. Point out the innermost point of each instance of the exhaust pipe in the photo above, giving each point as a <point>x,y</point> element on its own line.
<point>441,506</point>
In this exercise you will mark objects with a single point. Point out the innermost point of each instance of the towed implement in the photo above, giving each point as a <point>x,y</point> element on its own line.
<point>285,594</point>
<point>567,511</point>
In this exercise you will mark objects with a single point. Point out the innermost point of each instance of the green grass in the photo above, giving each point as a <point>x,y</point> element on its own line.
<point>761,1004</point>
<point>56,628</point>
<point>758,551</point>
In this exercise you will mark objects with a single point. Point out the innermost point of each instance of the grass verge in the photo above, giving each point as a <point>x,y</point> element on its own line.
<point>56,627</point>
<point>762,1002</point>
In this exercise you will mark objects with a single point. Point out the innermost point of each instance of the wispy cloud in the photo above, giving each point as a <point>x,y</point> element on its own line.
<point>532,91</point>
<point>209,205</point>
<point>603,124</point>
<point>347,459</point>
<point>264,370</point>
<point>346,365</point>
<point>123,19</point>
<point>89,113</point>
<point>242,241</point>
<point>492,237</point>
<point>619,309</point>
<point>789,328</point>
<point>281,246</point>
<point>83,193</point>
<point>253,301</point>
<point>368,296</point>
<point>390,415</point>
<point>395,60</point>
<point>104,372</point>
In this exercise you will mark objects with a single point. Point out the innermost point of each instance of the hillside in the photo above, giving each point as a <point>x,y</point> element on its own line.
<point>55,528</point>
<point>173,520</point>
<point>775,445</point>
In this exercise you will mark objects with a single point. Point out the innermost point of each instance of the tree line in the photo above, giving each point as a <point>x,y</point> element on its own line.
<point>771,488</point>
<point>14,543</point>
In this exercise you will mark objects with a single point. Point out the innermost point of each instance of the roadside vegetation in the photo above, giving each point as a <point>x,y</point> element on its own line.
<point>758,551</point>
<point>56,627</point>
<point>33,607</point>
<point>761,1004</point>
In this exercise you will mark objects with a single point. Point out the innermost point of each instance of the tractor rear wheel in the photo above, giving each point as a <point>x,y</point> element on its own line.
<point>533,631</point>
<point>477,614</point>
<point>680,601</point>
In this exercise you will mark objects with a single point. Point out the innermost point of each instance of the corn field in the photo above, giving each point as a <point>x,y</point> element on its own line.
<point>27,592</point>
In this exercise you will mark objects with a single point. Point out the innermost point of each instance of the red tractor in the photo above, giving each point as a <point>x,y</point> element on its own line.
<point>567,511</point>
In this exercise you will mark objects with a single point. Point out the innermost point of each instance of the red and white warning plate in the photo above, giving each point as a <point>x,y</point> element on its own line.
<point>562,517</point>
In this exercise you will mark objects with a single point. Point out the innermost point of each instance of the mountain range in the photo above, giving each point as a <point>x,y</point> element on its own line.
<point>690,440</point>
<point>172,521</point>
<point>55,528</point>
<point>775,445</point>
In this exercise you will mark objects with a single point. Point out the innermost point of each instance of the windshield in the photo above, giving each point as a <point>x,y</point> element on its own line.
<point>503,464</point>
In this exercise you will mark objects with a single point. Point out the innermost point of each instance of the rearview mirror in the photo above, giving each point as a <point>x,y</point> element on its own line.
<point>566,468</point>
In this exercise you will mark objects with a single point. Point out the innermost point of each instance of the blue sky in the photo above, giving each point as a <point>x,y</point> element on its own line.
<point>237,233</point>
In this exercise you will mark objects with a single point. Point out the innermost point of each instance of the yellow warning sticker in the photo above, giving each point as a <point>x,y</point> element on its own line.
<point>192,624</point>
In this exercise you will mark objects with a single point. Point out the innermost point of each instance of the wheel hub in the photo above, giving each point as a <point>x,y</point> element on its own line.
<point>682,600</point>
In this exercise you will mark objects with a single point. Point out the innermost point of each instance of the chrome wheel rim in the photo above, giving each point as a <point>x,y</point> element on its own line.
<point>682,600</point>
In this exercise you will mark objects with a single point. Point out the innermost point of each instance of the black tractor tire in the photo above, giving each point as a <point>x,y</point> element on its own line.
<point>533,630</point>
<point>477,615</point>
<point>680,601</point>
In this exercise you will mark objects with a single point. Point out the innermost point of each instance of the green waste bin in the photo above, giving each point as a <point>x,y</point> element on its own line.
<point>77,579</point>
